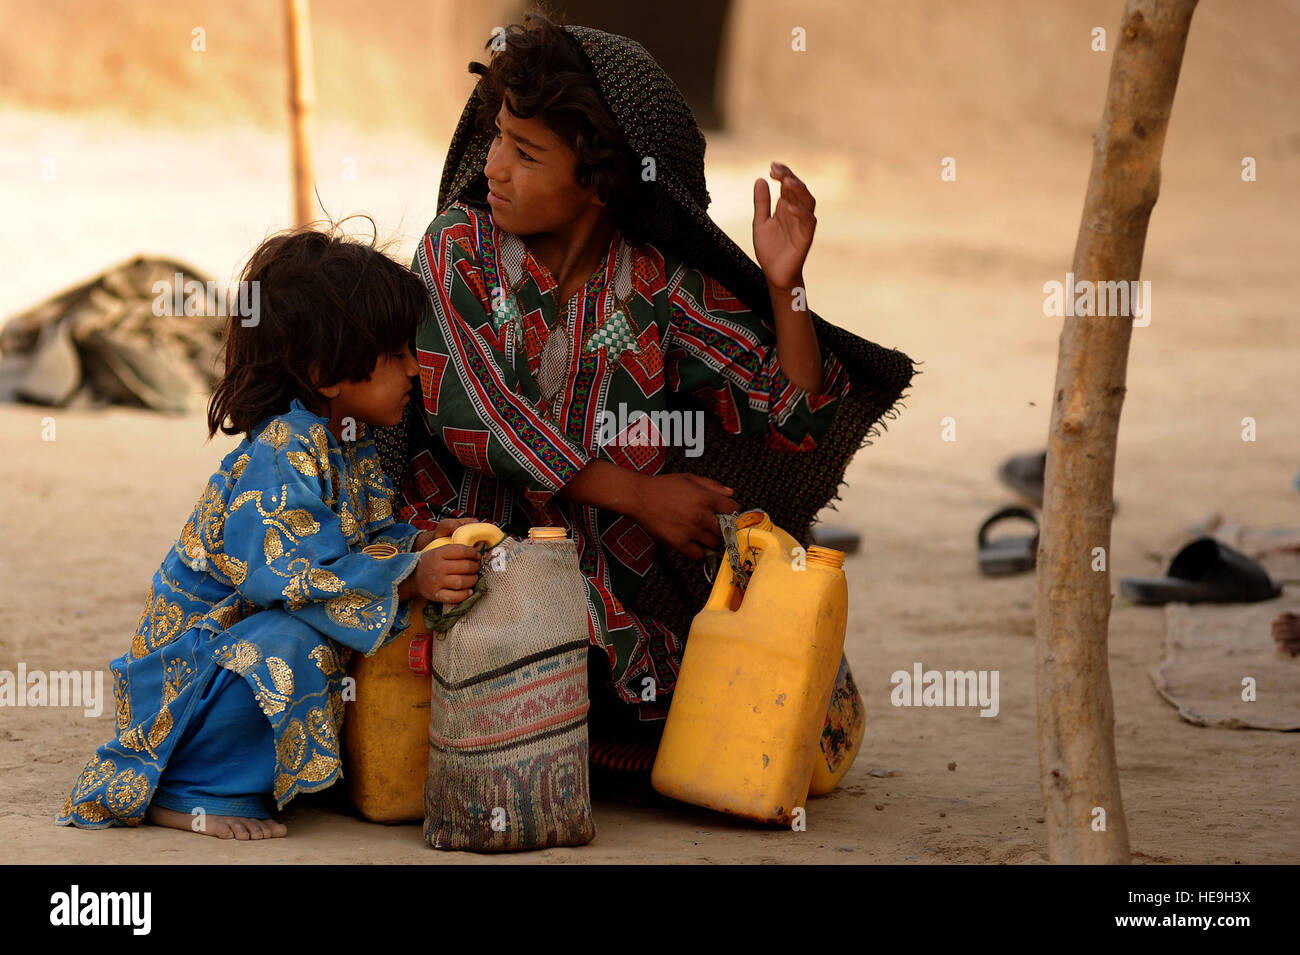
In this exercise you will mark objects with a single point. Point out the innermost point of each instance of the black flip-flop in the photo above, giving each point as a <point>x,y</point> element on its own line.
<point>1008,555</point>
<point>1026,473</point>
<point>1023,473</point>
<point>1204,571</point>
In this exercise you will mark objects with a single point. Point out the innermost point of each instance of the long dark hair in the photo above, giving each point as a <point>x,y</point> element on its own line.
<point>544,72</point>
<point>328,308</point>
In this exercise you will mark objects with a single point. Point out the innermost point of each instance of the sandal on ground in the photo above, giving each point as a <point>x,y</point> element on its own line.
<point>1204,571</point>
<point>1008,555</point>
<point>1025,474</point>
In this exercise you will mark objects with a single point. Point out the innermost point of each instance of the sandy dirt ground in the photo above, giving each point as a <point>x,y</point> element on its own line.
<point>951,273</point>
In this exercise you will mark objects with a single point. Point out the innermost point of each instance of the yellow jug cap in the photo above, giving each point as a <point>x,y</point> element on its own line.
<point>546,533</point>
<point>826,555</point>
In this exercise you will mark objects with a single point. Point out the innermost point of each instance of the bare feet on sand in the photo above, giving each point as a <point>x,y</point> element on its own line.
<point>223,827</point>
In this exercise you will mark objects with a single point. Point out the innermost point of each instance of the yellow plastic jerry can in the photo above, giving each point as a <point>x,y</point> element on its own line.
<point>386,728</point>
<point>846,722</point>
<point>756,678</point>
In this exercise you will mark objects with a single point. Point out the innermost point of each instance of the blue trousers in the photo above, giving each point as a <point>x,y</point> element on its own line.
<point>225,760</point>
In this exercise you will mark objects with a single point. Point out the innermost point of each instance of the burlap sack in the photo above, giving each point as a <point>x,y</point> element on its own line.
<point>508,722</point>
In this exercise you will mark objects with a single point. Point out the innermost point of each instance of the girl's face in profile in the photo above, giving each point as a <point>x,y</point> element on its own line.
<point>530,174</point>
<point>381,398</point>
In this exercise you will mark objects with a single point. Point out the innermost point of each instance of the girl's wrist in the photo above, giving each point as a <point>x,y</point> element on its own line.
<point>606,485</point>
<point>638,494</point>
<point>785,291</point>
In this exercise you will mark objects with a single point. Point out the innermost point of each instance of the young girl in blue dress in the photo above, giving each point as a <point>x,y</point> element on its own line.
<point>232,693</point>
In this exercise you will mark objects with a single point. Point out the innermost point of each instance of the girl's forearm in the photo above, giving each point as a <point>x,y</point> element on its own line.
<point>605,484</point>
<point>797,348</point>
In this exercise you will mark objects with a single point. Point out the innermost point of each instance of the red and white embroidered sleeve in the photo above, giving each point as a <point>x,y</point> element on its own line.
<point>726,355</point>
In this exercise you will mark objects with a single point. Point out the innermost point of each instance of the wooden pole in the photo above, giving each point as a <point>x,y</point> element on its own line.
<point>301,99</point>
<point>1076,731</point>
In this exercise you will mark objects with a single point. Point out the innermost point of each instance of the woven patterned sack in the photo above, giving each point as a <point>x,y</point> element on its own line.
<point>508,721</point>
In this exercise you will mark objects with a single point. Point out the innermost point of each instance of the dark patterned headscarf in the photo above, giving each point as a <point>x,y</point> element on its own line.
<point>791,487</point>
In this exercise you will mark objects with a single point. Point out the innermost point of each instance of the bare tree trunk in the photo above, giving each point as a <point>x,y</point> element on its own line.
<point>301,99</point>
<point>1076,732</point>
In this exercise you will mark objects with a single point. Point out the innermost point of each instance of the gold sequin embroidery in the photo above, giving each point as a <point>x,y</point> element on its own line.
<point>378,508</point>
<point>274,701</point>
<point>127,791</point>
<point>91,812</point>
<point>237,468</point>
<point>318,769</point>
<point>93,776</point>
<point>321,726</point>
<point>275,434</point>
<point>350,610</point>
<point>330,658</point>
<point>293,745</point>
<point>347,522</point>
<point>241,658</point>
<point>122,700</point>
<point>304,579</point>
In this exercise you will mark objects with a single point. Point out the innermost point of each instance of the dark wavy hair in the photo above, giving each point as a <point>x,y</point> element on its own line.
<point>545,73</point>
<point>328,308</point>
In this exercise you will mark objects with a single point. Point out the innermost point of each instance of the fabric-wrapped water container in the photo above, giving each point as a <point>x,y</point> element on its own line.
<point>508,720</point>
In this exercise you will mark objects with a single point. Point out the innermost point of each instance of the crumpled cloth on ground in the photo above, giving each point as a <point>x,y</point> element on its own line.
<point>1211,648</point>
<point>102,341</point>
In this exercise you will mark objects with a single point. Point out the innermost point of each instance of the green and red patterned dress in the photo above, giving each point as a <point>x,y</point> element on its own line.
<point>520,391</point>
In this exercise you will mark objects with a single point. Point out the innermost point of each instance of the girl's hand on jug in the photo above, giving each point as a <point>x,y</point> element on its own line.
<point>448,573</point>
<point>681,510</point>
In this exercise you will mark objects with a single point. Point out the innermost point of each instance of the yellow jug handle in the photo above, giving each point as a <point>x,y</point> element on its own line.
<point>720,595</point>
<point>757,539</point>
<point>749,538</point>
<point>487,534</point>
<point>470,534</point>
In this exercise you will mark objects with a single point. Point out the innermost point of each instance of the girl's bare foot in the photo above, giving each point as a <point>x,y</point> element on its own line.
<point>222,827</point>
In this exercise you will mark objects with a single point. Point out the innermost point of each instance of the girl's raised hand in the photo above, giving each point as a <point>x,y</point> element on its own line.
<point>782,238</point>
